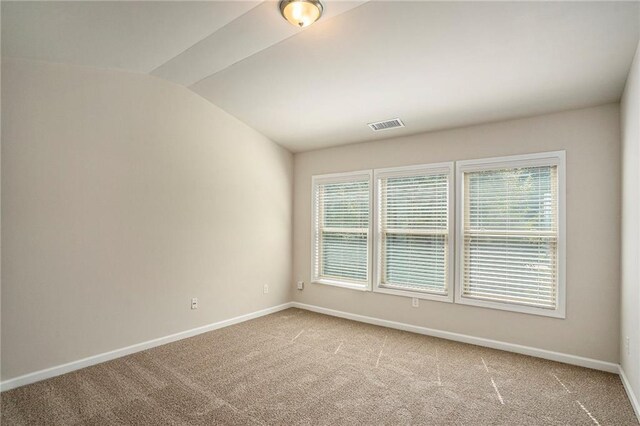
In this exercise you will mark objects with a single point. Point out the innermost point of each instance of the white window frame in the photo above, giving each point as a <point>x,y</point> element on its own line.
<point>556,158</point>
<point>422,169</point>
<point>337,178</point>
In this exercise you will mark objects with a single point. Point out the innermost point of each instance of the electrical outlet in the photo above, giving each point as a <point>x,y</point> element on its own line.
<point>265,289</point>
<point>194,303</point>
<point>626,346</point>
<point>300,285</point>
<point>415,302</point>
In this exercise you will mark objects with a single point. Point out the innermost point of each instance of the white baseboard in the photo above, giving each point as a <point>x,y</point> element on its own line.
<point>525,350</point>
<point>107,356</point>
<point>632,396</point>
<point>495,344</point>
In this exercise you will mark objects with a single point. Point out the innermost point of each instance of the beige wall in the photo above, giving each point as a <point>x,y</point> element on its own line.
<point>630,305</point>
<point>123,196</point>
<point>591,138</point>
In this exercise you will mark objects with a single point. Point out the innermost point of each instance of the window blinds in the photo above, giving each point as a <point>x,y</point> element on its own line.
<point>413,227</point>
<point>341,247</point>
<point>510,236</point>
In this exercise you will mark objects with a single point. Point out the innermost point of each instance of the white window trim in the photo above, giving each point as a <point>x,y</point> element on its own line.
<point>434,168</point>
<point>336,178</point>
<point>557,158</point>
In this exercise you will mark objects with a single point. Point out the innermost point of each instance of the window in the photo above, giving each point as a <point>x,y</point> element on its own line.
<point>341,229</point>
<point>510,219</point>
<point>413,219</point>
<point>511,233</point>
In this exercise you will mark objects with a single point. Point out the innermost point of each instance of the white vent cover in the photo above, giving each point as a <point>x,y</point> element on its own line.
<point>386,125</point>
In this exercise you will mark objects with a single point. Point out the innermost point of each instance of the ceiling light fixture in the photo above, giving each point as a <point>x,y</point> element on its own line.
<point>301,13</point>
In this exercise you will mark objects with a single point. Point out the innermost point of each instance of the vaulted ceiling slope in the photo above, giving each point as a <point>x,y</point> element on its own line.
<point>435,65</point>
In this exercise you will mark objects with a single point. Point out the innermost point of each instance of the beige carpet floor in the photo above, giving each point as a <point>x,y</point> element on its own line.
<point>301,368</point>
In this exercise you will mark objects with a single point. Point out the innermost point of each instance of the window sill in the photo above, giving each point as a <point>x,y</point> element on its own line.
<point>342,284</point>
<point>414,294</point>
<point>512,307</point>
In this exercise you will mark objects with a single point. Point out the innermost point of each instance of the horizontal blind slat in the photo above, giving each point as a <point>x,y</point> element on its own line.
<point>414,227</point>
<point>510,235</point>
<point>342,227</point>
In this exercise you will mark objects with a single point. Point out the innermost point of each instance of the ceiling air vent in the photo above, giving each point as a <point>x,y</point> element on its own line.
<point>386,125</point>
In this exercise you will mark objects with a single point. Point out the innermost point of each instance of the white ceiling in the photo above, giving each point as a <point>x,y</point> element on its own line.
<point>433,64</point>
<point>134,36</point>
<point>258,29</point>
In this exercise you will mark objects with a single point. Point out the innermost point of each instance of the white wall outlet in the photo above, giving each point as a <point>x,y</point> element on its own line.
<point>415,302</point>
<point>626,346</point>
<point>300,285</point>
<point>194,303</point>
<point>265,289</point>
